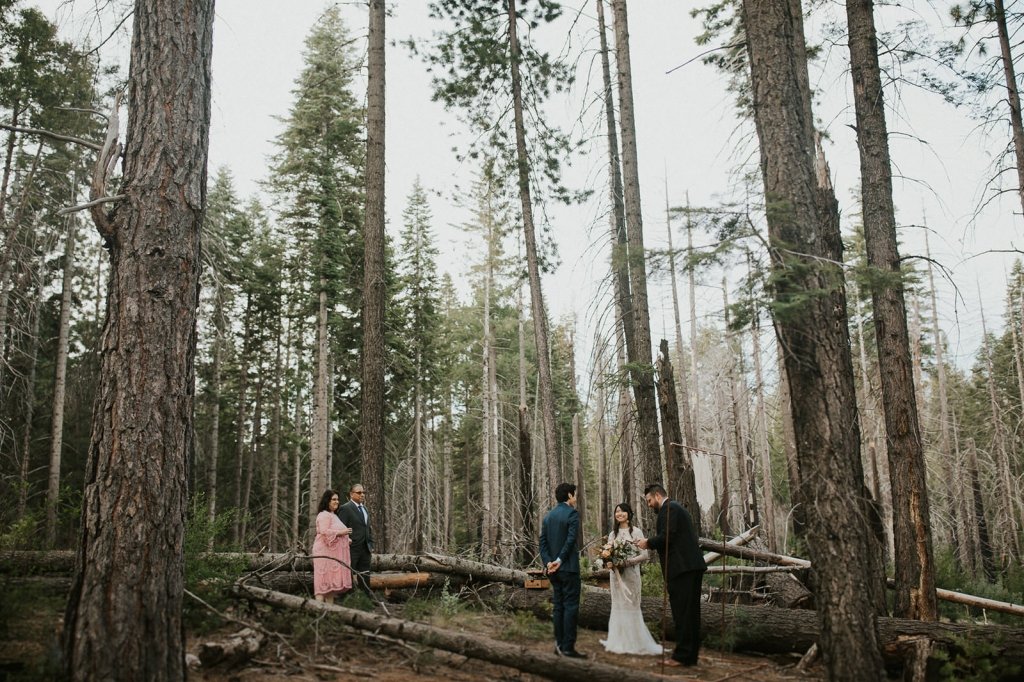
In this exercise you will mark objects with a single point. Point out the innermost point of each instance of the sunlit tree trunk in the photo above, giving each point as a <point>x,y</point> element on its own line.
<point>126,593</point>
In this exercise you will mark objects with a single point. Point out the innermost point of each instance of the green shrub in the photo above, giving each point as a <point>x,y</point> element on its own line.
<point>975,660</point>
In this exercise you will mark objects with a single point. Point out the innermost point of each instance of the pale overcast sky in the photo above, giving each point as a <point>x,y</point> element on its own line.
<point>687,137</point>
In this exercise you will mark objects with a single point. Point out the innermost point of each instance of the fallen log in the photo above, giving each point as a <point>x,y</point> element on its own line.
<point>751,554</point>
<point>299,582</point>
<point>971,600</point>
<point>231,650</point>
<point>773,630</point>
<point>514,656</point>
<point>741,539</point>
<point>437,563</point>
<point>62,561</point>
<point>787,592</point>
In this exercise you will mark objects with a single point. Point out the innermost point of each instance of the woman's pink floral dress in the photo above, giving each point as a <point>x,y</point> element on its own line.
<point>329,576</point>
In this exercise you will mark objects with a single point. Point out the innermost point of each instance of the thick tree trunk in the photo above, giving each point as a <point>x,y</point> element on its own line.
<point>914,560</point>
<point>641,362</point>
<point>811,323</point>
<point>540,319</point>
<point>371,414</point>
<point>123,619</point>
<point>1012,93</point>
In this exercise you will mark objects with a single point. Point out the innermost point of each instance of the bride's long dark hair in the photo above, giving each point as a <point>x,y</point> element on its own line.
<point>624,506</point>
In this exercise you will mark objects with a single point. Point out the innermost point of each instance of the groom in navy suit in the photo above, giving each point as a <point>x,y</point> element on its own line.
<point>558,537</point>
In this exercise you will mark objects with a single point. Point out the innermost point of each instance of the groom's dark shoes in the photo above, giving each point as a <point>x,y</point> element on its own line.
<point>573,654</point>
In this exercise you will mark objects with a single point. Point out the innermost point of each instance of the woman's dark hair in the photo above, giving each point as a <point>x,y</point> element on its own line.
<point>624,506</point>
<point>325,501</point>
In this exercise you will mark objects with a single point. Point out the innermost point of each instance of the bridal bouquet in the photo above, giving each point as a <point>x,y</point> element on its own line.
<point>614,554</point>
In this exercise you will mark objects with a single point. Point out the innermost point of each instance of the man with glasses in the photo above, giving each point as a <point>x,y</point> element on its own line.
<point>355,515</point>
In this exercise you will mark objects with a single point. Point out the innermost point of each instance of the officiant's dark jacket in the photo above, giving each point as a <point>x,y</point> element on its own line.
<point>683,549</point>
<point>362,534</point>
<point>558,537</point>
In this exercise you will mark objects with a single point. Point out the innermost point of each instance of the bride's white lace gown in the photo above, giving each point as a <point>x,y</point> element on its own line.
<point>627,632</point>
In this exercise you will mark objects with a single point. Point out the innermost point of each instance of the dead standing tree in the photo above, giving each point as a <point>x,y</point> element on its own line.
<point>123,619</point>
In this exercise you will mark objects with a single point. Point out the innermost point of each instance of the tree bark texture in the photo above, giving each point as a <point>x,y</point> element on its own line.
<point>641,363</point>
<point>914,560</point>
<point>811,324</point>
<point>371,414</point>
<point>123,619</point>
<point>540,318</point>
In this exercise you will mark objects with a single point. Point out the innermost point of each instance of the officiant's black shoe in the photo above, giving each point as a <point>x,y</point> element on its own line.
<point>573,654</point>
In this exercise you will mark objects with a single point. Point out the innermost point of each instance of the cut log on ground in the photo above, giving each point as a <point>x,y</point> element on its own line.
<point>514,656</point>
<point>771,630</point>
<point>232,650</point>
<point>786,592</point>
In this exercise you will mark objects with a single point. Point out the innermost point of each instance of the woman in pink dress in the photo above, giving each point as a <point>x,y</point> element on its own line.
<point>331,556</point>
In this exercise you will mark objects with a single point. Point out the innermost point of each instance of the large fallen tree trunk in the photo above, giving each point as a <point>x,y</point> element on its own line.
<point>521,658</point>
<point>767,629</point>
<point>55,562</point>
<point>301,582</point>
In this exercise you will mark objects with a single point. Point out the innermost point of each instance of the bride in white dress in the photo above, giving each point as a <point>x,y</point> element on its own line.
<point>627,632</point>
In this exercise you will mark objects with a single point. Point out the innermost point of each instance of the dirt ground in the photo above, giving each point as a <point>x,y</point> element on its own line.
<point>344,655</point>
<point>315,648</point>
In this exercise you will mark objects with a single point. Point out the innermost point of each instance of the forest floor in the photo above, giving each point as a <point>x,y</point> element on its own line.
<point>316,648</point>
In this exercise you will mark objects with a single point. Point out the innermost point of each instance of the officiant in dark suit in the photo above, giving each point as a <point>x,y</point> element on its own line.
<point>683,568</point>
<point>355,515</point>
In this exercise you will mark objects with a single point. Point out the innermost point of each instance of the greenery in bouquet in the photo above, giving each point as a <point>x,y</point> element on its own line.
<point>615,554</point>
